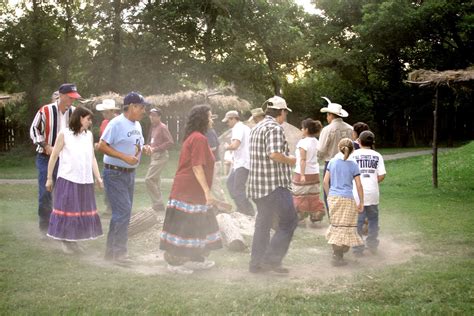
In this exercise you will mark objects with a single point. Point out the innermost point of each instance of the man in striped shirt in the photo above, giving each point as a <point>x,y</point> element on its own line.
<point>270,188</point>
<point>49,120</point>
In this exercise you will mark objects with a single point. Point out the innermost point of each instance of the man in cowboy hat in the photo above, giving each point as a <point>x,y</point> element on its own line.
<point>331,134</point>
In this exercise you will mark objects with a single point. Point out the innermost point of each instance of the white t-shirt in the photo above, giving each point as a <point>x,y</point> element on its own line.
<point>371,165</point>
<point>310,145</point>
<point>63,123</point>
<point>75,159</point>
<point>241,132</point>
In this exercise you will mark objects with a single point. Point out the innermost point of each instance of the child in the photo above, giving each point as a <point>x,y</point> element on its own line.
<point>306,177</point>
<point>74,217</point>
<point>372,170</point>
<point>342,232</point>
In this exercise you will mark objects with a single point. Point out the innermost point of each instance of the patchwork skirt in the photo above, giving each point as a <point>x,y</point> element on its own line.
<point>306,196</point>
<point>189,231</point>
<point>343,219</point>
<point>74,216</point>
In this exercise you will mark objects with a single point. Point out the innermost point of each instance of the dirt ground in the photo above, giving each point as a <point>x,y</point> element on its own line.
<point>149,259</point>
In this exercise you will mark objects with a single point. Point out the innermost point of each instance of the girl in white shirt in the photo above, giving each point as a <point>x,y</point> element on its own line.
<point>306,178</point>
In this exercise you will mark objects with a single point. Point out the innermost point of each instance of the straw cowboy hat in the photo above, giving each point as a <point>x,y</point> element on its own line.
<point>334,108</point>
<point>107,104</point>
<point>255,113</point>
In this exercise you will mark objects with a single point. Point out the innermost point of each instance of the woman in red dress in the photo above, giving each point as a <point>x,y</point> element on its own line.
<point>190,229</point>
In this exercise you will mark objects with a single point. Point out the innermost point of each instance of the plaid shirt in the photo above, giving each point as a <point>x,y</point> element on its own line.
<point>265,174</point>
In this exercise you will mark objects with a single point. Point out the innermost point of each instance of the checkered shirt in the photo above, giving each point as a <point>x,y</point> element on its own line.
<point>265,174</point>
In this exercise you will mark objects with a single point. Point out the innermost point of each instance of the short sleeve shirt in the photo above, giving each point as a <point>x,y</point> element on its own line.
<point>371,166</point>
<point>194,152</point>
<point>241,132</point>
<point>310,145</point>
<point>266,175</point>
<point>342,173</point>
<point>124,136</point>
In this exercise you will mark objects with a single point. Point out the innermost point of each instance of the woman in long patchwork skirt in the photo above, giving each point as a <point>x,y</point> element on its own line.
<point>74,217</point>
<point>343,210</point>
<point>190,230</point>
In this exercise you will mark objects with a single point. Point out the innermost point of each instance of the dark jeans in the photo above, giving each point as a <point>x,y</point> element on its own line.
<point>45,199</point>
<point>236,183</point>
<point>371,212</point>
<point>119,187</point>
<point>278,203</point>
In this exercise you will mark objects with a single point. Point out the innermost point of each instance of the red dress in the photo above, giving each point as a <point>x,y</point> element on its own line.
<point>190,228</point>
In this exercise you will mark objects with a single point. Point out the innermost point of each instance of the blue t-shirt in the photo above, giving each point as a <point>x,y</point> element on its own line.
<point>342,173</point>
<point>125,136</point>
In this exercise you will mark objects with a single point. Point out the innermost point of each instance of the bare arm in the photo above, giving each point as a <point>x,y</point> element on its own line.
<point>59,145</point>
<point>380,178</point>
<point>327,178</point>
<point>281,158</point>
<point>302,164</point>
<point>201,177</point>
<point>234,145</point>
<point>95,166</point>
<point>108,150</point>
<point>360,191</point>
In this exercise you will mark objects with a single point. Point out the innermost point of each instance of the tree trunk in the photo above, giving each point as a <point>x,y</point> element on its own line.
<point>116,50</point>
<point>435,141</point>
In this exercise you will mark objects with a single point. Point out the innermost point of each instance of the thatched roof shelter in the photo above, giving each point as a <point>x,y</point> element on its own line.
<point>423,77</point>
<point>182,101</point>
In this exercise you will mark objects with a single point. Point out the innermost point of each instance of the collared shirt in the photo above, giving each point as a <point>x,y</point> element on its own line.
<point>46,125</point>
<point>265,174</point>
<point>160,138</point>
<point>330,137</point>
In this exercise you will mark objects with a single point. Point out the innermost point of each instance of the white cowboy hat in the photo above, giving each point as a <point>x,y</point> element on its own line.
<point>334,108</point>
<point>107,104</point>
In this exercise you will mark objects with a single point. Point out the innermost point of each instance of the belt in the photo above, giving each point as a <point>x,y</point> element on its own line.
<point>107,166</point>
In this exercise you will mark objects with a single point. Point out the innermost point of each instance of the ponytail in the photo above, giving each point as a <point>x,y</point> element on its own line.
<point>346,147</point>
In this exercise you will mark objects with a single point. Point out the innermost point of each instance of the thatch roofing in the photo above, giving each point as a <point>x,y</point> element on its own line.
<point>182,101</point>
<point>423,77</point>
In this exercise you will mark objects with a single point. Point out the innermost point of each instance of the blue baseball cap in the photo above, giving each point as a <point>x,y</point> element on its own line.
<point>69,89</point>
<point>134,98</point>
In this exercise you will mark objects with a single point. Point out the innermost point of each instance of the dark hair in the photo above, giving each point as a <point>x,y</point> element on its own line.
<point>273,112</point>
<point>367,139</point>
<point>197,120</point>
<point>314,127</point>
<point>359,127</point>
<point>75,120</point>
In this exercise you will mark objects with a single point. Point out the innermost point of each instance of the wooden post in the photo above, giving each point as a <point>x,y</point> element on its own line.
<point>435,141</point>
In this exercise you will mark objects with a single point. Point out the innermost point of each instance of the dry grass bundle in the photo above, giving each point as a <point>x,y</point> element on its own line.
<point>448,77</point>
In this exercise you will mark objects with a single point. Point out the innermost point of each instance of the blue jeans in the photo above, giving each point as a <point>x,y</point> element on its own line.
<point>265,251</point>
<point>45,199</point>
<point>371,212</point>
<point>236,183</point>
<point>119,187</point>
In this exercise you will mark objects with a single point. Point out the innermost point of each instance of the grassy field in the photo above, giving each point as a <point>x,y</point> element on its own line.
<point>436,224</point>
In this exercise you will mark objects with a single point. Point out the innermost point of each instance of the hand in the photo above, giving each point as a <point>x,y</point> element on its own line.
<point>291,160</point>
<point>302,178</point>
<point>360,207</point>
<point>147,150</point>
<point>99,183</point>
<point>48,149</point>
<point>49,185</point>
<point>131,160</point>
<point>210,200</point>
<point>96,146</point>
<point>226,146</point>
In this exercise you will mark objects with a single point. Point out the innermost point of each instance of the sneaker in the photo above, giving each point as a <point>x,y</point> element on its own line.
<point>179,269</point>
<point>196,265</point>
<point>124,261</point>
<point>277,269</point>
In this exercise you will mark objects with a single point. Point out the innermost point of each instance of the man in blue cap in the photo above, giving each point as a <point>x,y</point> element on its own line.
<point>48,122</point>
<point>122,143</point>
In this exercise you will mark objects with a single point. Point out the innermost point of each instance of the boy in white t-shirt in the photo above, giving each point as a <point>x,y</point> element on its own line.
<point>372,172</point>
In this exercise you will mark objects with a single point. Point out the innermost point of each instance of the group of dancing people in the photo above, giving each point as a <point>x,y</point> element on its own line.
<point>190,229</point>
